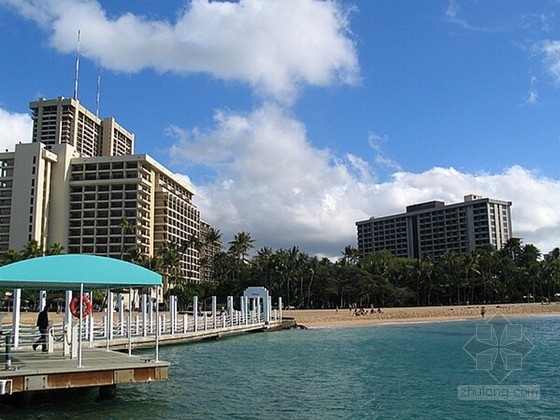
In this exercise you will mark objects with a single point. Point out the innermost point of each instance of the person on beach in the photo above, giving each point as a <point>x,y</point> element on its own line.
<point>43,324</point>
<point>482,312</point>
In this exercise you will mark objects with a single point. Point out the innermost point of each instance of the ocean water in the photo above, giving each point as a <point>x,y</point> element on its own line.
<point>384,371</point>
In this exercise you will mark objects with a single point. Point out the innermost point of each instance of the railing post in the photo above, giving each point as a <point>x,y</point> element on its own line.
<point>214,312</point>
<point>195,313</point>
<point>172,313</point>
<point>151,312</point>
<point>110,315</point>
<point>230,309</point>
<point>91,327</point>
<point>67,325</point>
<point>121,312</point>
<point>144,309</point>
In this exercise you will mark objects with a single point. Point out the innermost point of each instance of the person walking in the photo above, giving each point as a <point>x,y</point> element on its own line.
<point>43,324</point>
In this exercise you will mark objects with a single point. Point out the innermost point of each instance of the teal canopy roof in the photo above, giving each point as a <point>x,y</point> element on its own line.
<point>68,271</point>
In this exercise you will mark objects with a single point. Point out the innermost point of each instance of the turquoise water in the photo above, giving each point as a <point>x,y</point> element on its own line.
<point>389,371</point>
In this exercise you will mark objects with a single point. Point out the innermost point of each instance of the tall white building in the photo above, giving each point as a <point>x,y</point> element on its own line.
<point>66,121</point>
<point>432,228</point>
<point>78,184</point>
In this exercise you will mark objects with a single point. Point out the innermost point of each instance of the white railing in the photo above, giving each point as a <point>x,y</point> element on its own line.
<point>184,323</point>
<point>174,323</point>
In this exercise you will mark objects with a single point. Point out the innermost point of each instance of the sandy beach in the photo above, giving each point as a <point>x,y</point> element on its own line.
<point>320,318</point>
<point>317,318</point>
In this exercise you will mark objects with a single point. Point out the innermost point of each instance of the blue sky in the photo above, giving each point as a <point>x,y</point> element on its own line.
<point>293,119</point>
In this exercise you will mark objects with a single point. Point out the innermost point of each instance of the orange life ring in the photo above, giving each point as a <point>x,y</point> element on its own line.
<point>75,307</point>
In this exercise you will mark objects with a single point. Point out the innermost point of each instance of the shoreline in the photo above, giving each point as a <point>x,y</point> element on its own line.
<point>331,318</point>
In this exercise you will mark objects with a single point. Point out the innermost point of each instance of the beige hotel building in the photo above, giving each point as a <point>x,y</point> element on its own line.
<point>77,180</point>
<point>431,228</point>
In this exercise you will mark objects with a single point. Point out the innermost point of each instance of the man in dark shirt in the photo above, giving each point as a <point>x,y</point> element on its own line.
<point>43,324</point>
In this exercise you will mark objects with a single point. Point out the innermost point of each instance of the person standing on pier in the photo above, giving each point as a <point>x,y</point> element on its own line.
<point>43,324</point>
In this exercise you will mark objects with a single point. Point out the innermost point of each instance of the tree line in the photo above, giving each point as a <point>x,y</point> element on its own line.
<point>517,272</point>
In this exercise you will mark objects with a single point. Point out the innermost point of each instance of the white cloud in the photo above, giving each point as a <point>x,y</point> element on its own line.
<point>14,128</point>
<point>532,97</point>
<point>551,51</point>
<point>452,10</point>
<point>269,180</point>
<point>454,14</point>
<point>376,142</point>
<point>273,45</point>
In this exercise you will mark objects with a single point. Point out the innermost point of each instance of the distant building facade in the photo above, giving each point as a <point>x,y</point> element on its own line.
<point>431,228</point>
<point>78,184</point>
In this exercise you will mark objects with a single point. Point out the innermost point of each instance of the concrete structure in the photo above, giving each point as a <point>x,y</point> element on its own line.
<point>79,185</point>
<point>432,228</point>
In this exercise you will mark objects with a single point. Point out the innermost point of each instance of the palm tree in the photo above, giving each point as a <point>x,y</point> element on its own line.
<point>213,238</point>
<point>170,263</point>
<point>488,264</point>
<point>32,250</point>
<point>471,266</point>
<point>241,244</point>
<point>529,264</point>
<point>449,263</point>
<point>211,245</point>
<point>422,269</point>
<point>263,263</point>
<point>55,249</point>
<point>551,271</point>
<point>12,256</point>
<point>313,268</point>
<point>351,255</point>
<point>125,226</point>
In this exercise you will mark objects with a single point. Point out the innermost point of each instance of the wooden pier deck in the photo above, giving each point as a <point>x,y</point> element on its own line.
<point>38,371</point>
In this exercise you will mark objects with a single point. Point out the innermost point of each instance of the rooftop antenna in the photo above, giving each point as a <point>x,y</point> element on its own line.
<point>98,91</point>
<point>77,68</point>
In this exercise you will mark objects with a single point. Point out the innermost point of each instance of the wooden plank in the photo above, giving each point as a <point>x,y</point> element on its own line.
<point>80,379</point>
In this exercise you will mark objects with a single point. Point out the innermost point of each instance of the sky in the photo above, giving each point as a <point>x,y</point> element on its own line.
<point>293,119</point>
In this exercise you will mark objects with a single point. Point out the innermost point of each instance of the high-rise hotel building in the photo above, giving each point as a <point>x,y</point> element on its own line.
<point>79,184</point>
<point>430,229</point>
<point>65,121</point>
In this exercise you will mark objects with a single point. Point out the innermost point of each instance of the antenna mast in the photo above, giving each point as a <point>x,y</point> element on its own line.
<point>98,91</point>
<point>77,68</point>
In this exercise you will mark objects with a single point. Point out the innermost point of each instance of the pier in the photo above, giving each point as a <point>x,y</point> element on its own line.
<point>96,350</point>
<point>105,362</point>
<point>34,371</point>
<point>71,363</point>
